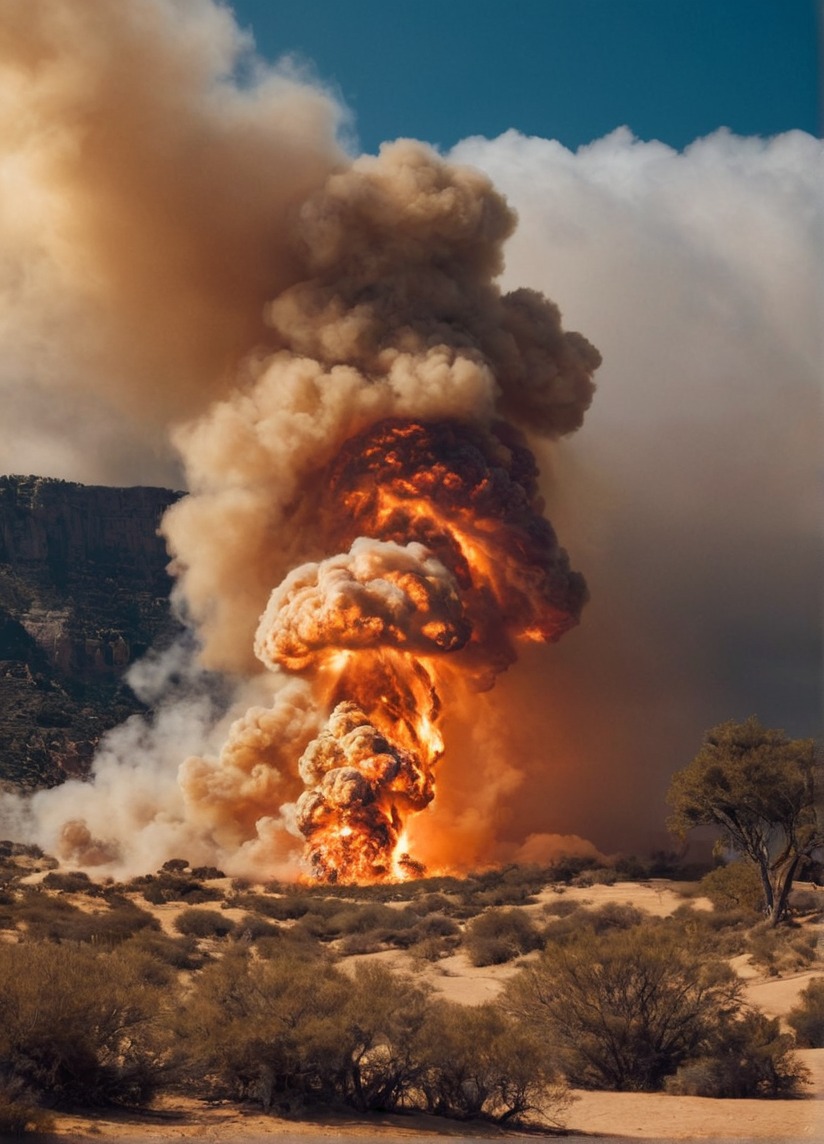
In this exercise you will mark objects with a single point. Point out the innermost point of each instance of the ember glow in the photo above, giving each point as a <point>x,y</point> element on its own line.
<point>450,563</point>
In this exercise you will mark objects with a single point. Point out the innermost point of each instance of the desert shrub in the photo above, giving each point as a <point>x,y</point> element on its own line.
<point>597,876</point>
<point>196,922</point>
<point>499,935</point>
<point>175,865</point>
<point>169,886</point>
<point>385,1015</point>
<point>477,1062</point>
<point>806,1018</point>
<point>176,953</point>
<point>782,949</point>
<point>431,949</point>
<point>747,1057</point>
<point>611,916</point>
<point>294,938</point>
<point>560,907</point>
<point>205,873</point>
<point>809,902</point>
<point>506,886</point>
<point>723,932</point>
<point>623,1009</point>
<point>48,918</point>
<point>79,1027</point>
<point>71,882</point>
<point>252,926</point>
<point>431,903</point>
<point>266,1030</point>
<point>281,909</point>
<point>19,1111</point>
<point>735,886</point>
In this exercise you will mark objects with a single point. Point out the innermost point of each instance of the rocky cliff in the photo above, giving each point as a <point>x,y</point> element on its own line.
<point>83,593</point>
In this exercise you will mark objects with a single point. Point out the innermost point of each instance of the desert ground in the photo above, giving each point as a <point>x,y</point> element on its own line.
<point>591,1115</point>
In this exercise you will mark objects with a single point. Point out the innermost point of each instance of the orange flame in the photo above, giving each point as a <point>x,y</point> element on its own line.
<point>449,563</point>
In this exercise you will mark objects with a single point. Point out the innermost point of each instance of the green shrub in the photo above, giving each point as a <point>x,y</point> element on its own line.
<point>195,922</point>
<point>806,1018</point>
<point>266,1030</point>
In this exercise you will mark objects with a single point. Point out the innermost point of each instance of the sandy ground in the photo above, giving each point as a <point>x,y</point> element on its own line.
<point>604,1115</point>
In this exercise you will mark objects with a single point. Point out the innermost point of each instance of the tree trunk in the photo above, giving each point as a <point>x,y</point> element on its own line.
<point>782,882</point>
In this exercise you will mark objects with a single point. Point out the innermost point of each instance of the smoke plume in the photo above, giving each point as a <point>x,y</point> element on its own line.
<point>348,390</point>
<point>356,389</point>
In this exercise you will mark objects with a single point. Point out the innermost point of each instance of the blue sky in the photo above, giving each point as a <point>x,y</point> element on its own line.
<point>572,70</point>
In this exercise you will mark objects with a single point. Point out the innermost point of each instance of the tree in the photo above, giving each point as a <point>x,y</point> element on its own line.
<point>763,790</point>
<point>623,1009</point>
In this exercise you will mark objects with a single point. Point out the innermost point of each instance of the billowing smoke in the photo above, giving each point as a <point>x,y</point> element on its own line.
<point>349,389</point>
<point>374,440</point>
<point>185,243</point>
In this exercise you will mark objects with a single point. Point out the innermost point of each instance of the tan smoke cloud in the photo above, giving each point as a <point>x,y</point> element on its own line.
<point>146,199</point>
<point>209,260</point>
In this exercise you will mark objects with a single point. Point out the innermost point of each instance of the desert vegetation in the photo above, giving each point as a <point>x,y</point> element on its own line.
<point>281,998</point>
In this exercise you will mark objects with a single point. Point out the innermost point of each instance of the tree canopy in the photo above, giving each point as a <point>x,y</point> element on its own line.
<point>763,790</point>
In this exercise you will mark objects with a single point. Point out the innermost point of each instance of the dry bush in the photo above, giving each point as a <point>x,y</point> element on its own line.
<point>19,1112</point>
<point>72,882</point>
<point>477,1062</point>
<point>611,916</point>
<point>624,1008</point>
<point>171,886</point>
<point>290,907</point>
<point>196,922</point>
<point>174,953</point>
<point>735,886</point>
<point>806,1018</point>
<point>782,949</point>
<point>49,918</point>
<point>497,936</point>
<point>807,902</point>
<point>748,1057</point>
<point>77,1026</point>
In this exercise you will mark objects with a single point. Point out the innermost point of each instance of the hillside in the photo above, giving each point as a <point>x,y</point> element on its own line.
<point>83,593</point>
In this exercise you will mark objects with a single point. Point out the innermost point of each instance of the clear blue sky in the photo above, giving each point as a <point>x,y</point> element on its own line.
<point>572,70</point>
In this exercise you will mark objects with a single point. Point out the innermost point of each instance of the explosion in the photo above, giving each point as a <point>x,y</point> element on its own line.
<point>351,397</point>
<point>385,438</point>
<point>450,563</point>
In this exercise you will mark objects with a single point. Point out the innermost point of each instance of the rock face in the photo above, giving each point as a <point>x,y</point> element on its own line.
<point>84,592</point>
